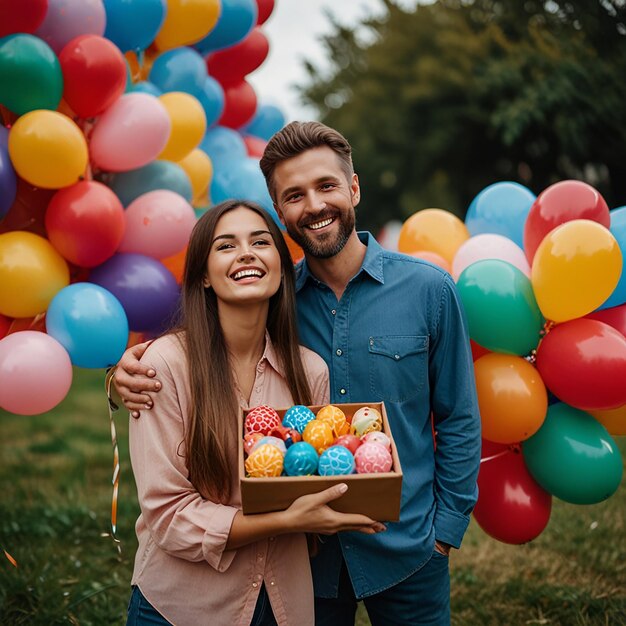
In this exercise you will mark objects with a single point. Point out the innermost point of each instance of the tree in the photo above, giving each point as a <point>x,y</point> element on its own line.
<point>443,100</point>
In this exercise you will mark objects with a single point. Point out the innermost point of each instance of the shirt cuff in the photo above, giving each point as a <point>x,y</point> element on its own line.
<point>450,526</point>
<point>214,541</point>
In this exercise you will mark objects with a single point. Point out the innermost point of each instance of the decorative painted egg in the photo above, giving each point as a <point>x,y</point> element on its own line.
<point>301,459</point>
<point>261,419</point>
<point>336,461</point>
<point>265,462</point>
<point>372,458</point>
<point>288,435</point>
<point>298,417</point>
<point>250,440</point>
<point>273,441</point>
<point>335,418</point>
<point>377,437</point>
<point>319,434</point>
<point>352,442</point>
<point>365,420</point>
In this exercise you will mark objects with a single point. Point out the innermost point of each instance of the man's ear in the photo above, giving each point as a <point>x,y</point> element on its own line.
<point>355,190</point>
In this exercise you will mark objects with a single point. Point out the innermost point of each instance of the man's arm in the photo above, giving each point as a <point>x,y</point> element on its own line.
<point>135,381</point>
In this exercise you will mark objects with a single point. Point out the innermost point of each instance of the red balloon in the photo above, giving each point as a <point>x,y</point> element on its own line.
<point>85,223</point>
<point>583,363</point>
<point>5,324</point>
<point>28,209</point>
<point>254,145</point>
<point>477,350</point>
<point>511,506</point>
<point>265,10</point>
<point>562,202</point>
<point>614,316</point>
<point>239,105</point>
<point>94,74</point>
<point>229,66</point>
<point>24,16</point>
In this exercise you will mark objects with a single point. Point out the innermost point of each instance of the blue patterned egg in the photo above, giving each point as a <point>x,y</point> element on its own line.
<point>336,461</point>
<point>298,417</point>
<point>300,459</point>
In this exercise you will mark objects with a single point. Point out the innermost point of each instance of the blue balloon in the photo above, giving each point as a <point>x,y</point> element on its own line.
<point>501,208</point>
<point>211,97</point>
<point>133,24</point>
<point>237,19</point>
<point>90,323</point>
<point>145,287</point>
<point>180,69</point>
<point>267,121</point>
<point>618,230</point>
<point>222,144</point>
<point>145,86</point>
<point>128,186</point>
<point>242,180</point>
<point>8,178</point>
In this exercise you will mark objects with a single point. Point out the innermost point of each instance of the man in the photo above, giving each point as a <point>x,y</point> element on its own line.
<point>390,328</point>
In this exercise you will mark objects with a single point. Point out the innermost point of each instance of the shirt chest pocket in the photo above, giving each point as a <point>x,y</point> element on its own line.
<point>398,366</point>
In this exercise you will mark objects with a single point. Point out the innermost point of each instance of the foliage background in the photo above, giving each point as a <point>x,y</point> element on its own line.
<point>444,100</point>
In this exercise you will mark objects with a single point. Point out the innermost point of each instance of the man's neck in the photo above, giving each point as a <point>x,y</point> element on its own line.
<point>337,270</point>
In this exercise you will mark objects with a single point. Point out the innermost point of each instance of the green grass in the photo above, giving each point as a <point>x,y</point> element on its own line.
<point>55,480</point>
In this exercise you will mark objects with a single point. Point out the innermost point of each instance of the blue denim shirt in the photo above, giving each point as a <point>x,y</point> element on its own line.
<point>399,335</point>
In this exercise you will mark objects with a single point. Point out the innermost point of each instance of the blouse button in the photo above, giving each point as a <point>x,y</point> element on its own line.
<point>255,585</point>
<point>272,582</point>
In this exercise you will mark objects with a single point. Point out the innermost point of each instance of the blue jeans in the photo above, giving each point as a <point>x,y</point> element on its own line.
<point>422,599</point>
<point>142,613</point>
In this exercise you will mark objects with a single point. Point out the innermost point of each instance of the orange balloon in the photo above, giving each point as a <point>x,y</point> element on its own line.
<point>512,398</point>
<point>176,264</point>
<point>433,230</point>
<point>434,258</point>
<point>297,253</point>
<point>614,420</point>
<point>187,21</point>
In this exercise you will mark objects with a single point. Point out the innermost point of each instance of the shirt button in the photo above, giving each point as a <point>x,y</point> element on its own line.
<point>342,392</point>
<point>334,312</point>
<point>371,342</point>
<point>339,352</point>
<point>396,357</point>
<point>258,389</point>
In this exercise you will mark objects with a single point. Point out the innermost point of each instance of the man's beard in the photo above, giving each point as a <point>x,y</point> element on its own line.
<point>329,245</point>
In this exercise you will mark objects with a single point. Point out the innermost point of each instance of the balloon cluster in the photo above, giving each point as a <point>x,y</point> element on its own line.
<point>542,285</point>
<point>122,121</point>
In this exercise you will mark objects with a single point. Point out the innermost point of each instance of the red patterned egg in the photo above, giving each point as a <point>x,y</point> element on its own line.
<point>352,442</point>
<point>261,419</point>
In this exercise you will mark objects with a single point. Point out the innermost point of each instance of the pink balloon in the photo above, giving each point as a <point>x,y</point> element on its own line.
<point>158,224</point>
<point>66,19</point>
<point>35,372</point>
<point>489,246</point>
<point>130,133</point>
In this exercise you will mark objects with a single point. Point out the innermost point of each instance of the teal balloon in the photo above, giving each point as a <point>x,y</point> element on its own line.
<point>501,309</point>
<point>573,457</point>
<point>128,186</point>
<point>30,74</point>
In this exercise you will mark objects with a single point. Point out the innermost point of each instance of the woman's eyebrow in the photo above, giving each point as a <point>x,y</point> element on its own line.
<point>254,233</point>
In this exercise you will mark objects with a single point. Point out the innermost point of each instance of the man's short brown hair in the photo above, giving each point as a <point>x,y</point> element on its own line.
<point>298,137</point>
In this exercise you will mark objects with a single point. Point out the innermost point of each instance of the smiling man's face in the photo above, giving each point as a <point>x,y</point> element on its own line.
<point>316,201</point>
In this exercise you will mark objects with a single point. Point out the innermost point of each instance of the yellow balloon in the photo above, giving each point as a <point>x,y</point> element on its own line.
<point>47,149</point>
<point>188,124</point>
<point>187,21</point>
<point>31,274</point>
<point>199,168</point>
<point>614,420</point>
<point>575,269</point>
<point>433,230</point>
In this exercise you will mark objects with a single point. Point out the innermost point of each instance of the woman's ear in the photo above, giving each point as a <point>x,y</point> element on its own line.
<point>206,282</point>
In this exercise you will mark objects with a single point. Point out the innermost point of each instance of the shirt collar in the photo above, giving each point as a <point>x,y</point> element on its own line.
<point>372,263</point>
<point>269,355</point>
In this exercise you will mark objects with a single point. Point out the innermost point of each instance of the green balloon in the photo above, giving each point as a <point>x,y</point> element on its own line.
<point>573,457</point>
<point>501,309</point>
<point>30,74</point>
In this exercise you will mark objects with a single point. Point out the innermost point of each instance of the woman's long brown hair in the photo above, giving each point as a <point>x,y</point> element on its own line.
<point>211,429</point>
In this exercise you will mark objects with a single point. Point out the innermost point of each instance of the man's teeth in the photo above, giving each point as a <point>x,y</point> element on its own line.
<point>246,273</point>
<point>318,225</point>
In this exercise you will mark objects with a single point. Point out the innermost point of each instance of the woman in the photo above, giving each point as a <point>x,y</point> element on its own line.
<point>200,560</point>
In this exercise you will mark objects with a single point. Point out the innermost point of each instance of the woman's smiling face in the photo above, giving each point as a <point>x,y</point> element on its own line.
<point>243,266</point>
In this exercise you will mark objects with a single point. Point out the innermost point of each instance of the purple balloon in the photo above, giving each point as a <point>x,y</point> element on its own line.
<point>8,180</point>
<point>66,19</point>
<point>145,287</point>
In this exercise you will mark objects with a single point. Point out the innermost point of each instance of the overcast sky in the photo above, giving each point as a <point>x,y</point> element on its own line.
<point>294,30</point>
